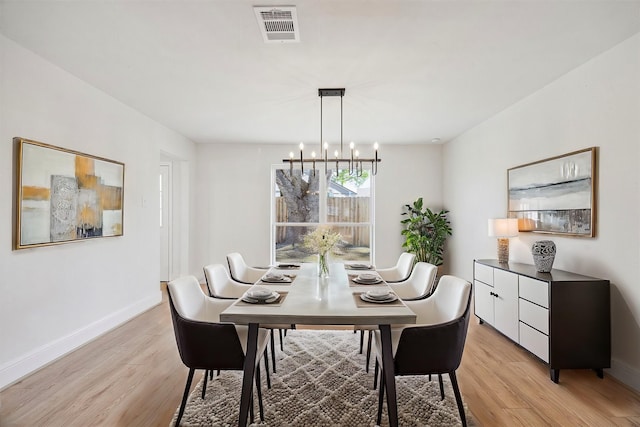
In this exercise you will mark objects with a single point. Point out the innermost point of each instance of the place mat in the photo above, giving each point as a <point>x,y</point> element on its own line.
<point>276,303</point>
<point>352,283</point>
<point>364,304</point>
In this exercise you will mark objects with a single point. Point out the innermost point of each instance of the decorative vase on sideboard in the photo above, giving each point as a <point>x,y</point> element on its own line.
<point>544,253</point>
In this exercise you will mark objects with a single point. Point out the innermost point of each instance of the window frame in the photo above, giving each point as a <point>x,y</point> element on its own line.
<point>322,213</point>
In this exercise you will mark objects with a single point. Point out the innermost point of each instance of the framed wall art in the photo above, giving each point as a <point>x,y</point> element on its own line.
<point>65,196</point>
<point>555,195</point>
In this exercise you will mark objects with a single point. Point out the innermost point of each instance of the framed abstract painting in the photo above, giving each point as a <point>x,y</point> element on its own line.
<point>65,196</point>
<point>555,195</point>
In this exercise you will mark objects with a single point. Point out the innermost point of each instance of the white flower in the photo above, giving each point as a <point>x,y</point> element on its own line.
<point>321,240</point>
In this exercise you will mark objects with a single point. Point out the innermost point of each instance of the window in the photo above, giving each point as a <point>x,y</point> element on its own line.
<point>303,201</point>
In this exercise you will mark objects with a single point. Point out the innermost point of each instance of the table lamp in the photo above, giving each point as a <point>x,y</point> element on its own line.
<point>503,228</point>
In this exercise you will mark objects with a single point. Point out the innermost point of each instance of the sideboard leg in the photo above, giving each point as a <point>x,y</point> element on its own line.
<point>599,372</point>
<point>555,375</point>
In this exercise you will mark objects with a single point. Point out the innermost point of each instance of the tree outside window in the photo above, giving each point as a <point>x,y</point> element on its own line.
<point>299,209</point>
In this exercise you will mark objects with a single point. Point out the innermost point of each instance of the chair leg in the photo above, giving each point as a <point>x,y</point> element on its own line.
<point>266,368</point>
<point>211,374</point>
<point>185,395</point>
<point>204,383</point>
<point>375,374</point>
<point>361,340</point>
<point>368,350</point>
<point>456,391</point>
<point>273,351</point>
<point>259,390</point>
<point>281,345</point>
<point>380,400</point>
<point>251,414</point>
<point>441,387</point>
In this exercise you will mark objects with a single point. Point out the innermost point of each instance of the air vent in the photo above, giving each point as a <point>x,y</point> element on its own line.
<point>278,24</point>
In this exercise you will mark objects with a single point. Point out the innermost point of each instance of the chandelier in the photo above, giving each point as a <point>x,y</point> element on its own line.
<point>354,160</point>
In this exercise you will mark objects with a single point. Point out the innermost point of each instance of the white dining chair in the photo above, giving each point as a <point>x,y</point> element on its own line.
<point>222,286</point>
<point>441,327</point>
<point>196,320</point>
<point>400,271</point>
<point>419,285</point>
<point>243,273</point>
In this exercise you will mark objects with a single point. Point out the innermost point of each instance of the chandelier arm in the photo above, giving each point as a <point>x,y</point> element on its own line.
<point>352,162</point>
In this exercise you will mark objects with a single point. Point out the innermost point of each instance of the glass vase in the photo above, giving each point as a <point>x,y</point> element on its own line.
<point>323,265</point>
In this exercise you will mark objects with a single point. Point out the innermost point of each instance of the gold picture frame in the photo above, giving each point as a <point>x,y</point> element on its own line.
<point>555,195</point>
<point>64,196</point>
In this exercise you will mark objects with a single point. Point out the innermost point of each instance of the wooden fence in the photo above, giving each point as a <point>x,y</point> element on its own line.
<point>339,209</point>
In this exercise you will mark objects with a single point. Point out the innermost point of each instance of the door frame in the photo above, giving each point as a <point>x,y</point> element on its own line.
<point>168,192</point>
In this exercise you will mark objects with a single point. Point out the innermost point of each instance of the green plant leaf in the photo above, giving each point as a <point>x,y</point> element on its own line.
<point>425,232</point>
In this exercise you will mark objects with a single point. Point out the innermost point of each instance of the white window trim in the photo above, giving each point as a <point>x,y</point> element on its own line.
<point>322,214</point>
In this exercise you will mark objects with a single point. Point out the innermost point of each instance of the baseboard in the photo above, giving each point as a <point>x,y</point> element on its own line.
<point>18,368</point>
<point>625,373</point>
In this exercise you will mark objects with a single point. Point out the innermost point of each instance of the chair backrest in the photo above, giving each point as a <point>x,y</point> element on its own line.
<point>437,348</point>
<point>201,344</point>
<point>451,297</point>
<point>419,282</point>
<point>405,264</point>
<point>241,272</point>
<point>399,272</point>
<point>220,285</point>
<point>188,298</point>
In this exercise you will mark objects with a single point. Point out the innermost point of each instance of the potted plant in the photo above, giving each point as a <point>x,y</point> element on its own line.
<point>425,232</point>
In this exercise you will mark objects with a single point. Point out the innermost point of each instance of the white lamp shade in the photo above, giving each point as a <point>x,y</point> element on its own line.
<point>503,227</point>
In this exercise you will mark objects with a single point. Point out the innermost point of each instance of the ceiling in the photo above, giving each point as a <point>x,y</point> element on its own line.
<point>413,70</point>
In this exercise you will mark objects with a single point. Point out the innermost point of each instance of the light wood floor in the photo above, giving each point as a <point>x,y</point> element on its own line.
<point>133,376</point>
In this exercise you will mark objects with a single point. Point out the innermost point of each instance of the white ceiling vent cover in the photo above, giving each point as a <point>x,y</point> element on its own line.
<point>278,24</point>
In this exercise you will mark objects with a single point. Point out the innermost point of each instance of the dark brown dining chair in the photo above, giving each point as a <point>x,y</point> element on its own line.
<point>435,345</point>
<point>205,343</point>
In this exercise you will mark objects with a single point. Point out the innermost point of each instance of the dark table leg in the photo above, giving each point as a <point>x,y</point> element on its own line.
<point>249,369</point>
<point>389,374</point>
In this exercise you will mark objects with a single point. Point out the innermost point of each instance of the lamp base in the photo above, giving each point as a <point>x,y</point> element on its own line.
<point>503,250</point>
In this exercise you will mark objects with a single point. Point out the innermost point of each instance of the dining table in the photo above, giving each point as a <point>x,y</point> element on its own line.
<point>305,298</point>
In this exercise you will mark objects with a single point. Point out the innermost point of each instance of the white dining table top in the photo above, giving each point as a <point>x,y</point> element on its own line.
<point>316,301</point>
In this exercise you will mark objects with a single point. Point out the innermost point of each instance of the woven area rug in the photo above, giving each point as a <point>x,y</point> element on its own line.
<point>321,381</point>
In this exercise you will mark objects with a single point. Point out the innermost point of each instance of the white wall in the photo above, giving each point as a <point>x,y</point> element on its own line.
<point>597,104</point>
<point>233,198</point>
<point>53,299</point>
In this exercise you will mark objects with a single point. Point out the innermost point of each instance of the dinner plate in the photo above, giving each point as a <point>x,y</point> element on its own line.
<point>379,294</point>
<point>367,282</point>
<point>359,266</point>
<point>259,293</point>
<point>283,279</point>
<point>272,298</point>
<point>392,298</point>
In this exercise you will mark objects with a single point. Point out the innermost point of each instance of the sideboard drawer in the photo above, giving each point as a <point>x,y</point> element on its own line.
<point>535,291</point>
<point>534,341</point>
<point>534,316</point>
<point>484,274</point>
